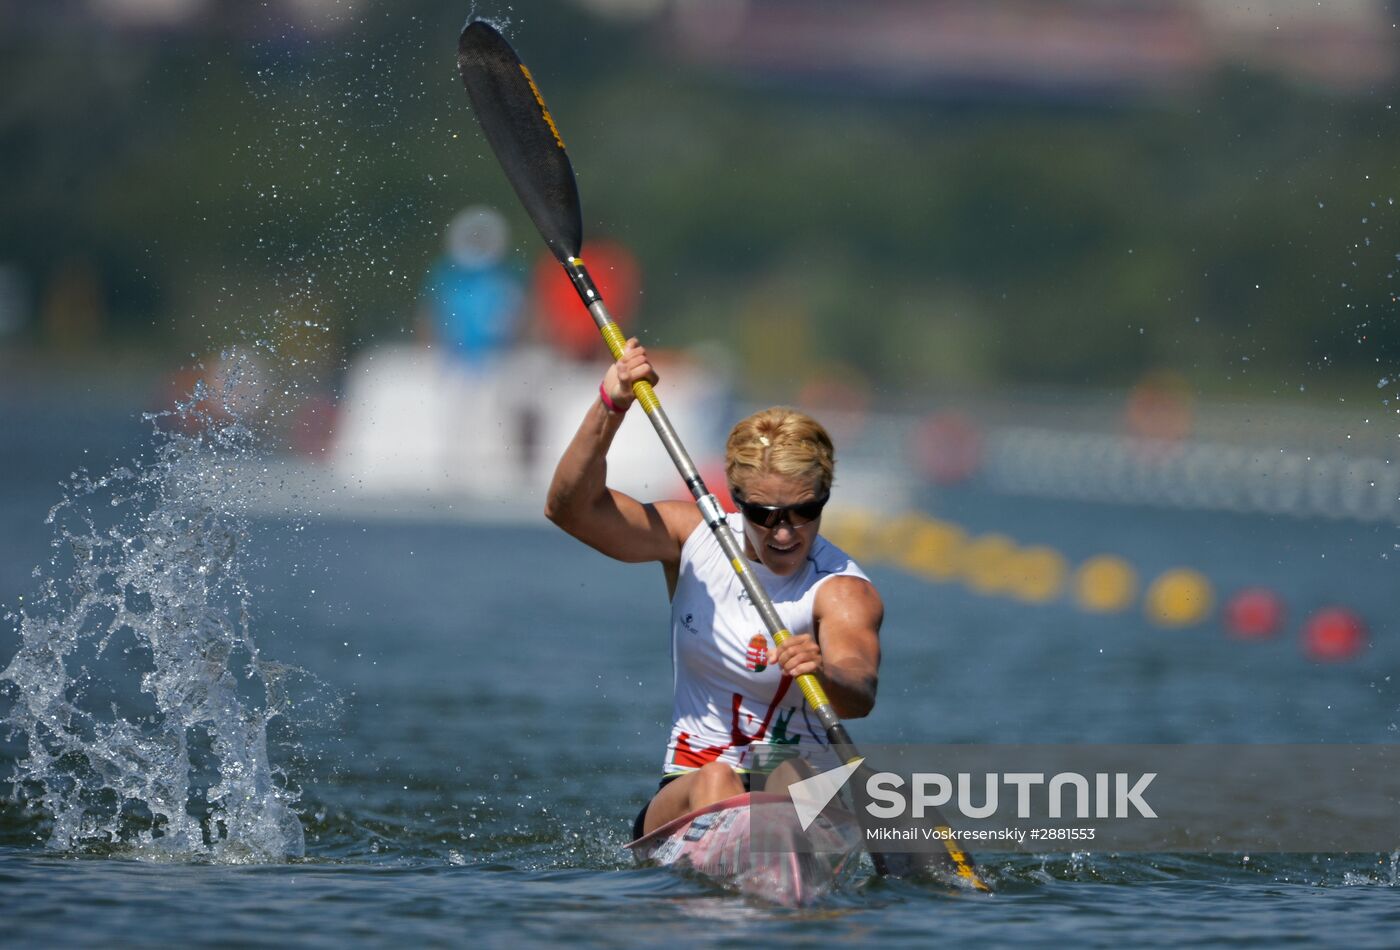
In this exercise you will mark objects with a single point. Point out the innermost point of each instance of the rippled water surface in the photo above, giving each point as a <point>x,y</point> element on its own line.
<point>463,719</point>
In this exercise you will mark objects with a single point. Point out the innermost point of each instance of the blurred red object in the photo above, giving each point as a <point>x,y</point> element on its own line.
<point>1160,410</point>
<point>947,448</point>
<point>1253,613</point>
<point>567,325</point>
<point>1333,633</point>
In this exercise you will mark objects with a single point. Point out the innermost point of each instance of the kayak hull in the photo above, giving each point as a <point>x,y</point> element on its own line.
<point>755,844</point>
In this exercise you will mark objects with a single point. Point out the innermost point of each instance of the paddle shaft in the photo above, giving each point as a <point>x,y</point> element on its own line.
<point>710,508</point>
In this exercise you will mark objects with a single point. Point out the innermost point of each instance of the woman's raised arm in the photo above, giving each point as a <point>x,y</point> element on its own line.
<point>579,499</point>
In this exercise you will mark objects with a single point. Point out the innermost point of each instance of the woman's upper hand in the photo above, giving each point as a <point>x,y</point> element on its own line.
<point>798,655</point>
<point>634,367</point>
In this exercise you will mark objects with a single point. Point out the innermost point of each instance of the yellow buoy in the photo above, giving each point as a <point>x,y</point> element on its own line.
<point>933,549</point>
<point>987,563</point>
<point>1179,598</point>
<point>1038,575</point>
<point>1105,584</point>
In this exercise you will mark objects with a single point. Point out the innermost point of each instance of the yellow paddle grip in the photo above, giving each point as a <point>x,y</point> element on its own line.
<point>617,343</point>
<point>811,687</point>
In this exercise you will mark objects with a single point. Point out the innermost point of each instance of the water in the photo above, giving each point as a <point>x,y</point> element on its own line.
<point>462,720</point>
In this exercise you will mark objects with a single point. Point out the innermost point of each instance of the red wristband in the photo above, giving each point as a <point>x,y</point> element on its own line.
<point>612,406</point>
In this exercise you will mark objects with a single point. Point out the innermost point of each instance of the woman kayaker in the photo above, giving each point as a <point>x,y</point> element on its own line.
<point>734,690</point>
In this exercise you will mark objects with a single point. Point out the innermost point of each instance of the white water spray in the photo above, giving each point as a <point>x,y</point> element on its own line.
<point>142,701</point>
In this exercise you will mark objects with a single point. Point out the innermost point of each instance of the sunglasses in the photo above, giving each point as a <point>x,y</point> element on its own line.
<point>770,516</point>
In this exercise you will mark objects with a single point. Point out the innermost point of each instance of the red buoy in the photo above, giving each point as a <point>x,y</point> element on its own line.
<point>1333,633</point>
<point>1253,613</point>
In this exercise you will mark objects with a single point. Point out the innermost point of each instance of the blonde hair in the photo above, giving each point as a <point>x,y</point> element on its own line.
<point>780,441</point>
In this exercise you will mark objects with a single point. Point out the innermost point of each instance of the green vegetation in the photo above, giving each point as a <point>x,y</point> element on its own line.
<point>1238,233</point>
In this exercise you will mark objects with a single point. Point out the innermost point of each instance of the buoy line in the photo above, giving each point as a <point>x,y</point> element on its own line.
<point>996,565</point>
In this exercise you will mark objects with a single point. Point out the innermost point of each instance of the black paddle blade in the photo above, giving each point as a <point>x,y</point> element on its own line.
<point>522,133</point>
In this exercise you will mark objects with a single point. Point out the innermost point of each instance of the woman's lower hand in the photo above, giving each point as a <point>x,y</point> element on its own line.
<point>798,655</point>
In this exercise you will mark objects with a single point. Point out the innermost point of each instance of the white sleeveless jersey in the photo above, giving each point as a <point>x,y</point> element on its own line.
<point>727,698</point>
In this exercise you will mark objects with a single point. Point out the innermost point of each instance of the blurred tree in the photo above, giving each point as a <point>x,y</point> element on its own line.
<point>232,174</point>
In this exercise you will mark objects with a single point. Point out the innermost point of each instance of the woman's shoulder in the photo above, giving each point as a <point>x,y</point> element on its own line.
<point>829,560</point>
<point>842,588</point>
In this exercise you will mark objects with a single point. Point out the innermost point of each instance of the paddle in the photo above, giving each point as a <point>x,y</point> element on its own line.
<point>522,133</point>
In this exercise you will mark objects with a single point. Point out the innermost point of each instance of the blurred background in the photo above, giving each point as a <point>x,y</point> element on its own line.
<point>1123,253</point>
<point>917,196</point>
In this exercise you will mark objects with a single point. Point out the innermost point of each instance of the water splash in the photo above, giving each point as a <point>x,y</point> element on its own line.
<point>142,700</point>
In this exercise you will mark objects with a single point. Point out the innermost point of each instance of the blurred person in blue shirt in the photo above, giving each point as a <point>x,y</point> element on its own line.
<point>472,301</point>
